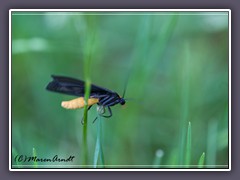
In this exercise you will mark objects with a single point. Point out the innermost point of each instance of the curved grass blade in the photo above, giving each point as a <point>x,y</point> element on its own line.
<point>188,147</point>
<point>201,160</point>
<point>98,154</point>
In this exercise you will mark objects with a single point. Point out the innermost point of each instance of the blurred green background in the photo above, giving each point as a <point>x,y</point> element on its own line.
<point>177,64</point>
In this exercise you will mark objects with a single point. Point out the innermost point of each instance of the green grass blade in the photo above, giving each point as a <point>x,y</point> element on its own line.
<point>158,158</point>
<point>212,144</point>
<point>188,147</point>
<point>201,160</point>
<point>98,154</point>
<point>172,159</point>
<point>85,116</point>
<point>34,152</point>
<point>184,104</point>
<point>88,56</point>
<point>102,161</point>
<point>165,37</point>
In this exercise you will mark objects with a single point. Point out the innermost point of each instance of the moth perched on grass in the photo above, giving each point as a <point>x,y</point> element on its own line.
<point>103,97</point>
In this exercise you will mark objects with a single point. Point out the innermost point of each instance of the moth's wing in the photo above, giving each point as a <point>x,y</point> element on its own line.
<point>66,85</point>
<point>75,87</point>
<point>97,92</point>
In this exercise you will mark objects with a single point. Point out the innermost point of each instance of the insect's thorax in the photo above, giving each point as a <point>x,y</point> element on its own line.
<point>109,99</point>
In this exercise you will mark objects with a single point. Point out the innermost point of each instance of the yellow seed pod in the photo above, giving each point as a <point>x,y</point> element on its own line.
<point>78,103</point>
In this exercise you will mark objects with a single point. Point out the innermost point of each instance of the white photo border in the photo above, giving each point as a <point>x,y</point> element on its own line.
<point>119,10</point>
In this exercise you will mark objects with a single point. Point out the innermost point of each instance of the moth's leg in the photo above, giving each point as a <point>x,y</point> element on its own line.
<point>101,110</point>
<point>89,107</point>
<point>94,120</point>
<point>102,114</point>
<point>110,113</point>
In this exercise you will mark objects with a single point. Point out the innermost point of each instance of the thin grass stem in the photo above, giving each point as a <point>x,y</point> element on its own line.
<point>85,116</point>
<point>185,105</point>
<point>89,49</point>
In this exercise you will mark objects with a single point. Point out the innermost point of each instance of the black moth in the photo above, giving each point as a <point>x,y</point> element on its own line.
<point>70,86</point>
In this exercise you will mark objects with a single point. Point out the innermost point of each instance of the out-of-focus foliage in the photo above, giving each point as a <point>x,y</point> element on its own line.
<point>177,65</point>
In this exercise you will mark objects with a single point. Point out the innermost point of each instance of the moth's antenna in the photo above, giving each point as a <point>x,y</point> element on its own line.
<point>124,91</point>
<point>125,84</point>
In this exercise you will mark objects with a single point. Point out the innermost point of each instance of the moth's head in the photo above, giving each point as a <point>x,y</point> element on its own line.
<point>122,101</point>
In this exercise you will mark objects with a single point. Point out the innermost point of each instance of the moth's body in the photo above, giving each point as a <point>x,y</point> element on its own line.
<point>98,95</point>
<point>78,103</point>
